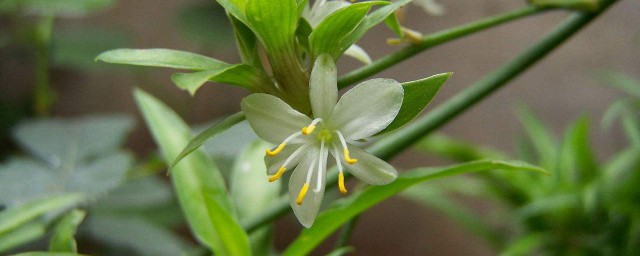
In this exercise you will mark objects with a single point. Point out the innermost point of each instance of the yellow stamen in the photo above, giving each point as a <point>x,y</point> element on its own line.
<point>343,189</point>
<point>303,192</point>
<point>308,130</point>
<point>349,160</point>
<point>278,174</point>
<point>276,151</point>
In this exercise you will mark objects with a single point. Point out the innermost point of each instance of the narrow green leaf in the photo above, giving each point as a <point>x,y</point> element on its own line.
<point>234,239</point>
<point>456,150</point>
<point>526,245</point>
<point>392,22</point>
<point>273,21</point>
<point>417,95</point>
<point>614,111</point>
<point>342,251</point>
<point>248,179</point>
<point>241,75</point>
<point>586,164</point>
<point>63,236</point>
<point>246,42</point>
<point>235,8</point>
<point>431,197</point>
<point>341,212</point>
<point>209,133</point>
<point>541,138</point>
<point>548,205</point>
<point>622,82</point>
<point>631,129</point>
<point>22,235</point>
<point>331,35</point>
<point>14,217</point>
<point>195,178</point>
<point>374,19</point>
<point>165,58</point>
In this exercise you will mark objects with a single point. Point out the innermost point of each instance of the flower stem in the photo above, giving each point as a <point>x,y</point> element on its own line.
<point>433,40</point>
<point>393,144</point>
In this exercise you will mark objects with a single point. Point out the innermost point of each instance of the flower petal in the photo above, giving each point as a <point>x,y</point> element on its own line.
<point>358,53</point>
<point>369,168</point>
<point>308,210</point>
<point>367,108</point>
<point>271,118</point>
<point>323,86</point>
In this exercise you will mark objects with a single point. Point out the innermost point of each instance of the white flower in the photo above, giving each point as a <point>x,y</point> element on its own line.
<point>306,143</point>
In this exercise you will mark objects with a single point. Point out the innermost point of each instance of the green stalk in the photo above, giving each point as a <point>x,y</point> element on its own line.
<point>393,144</point>
<point>44,95</point>
<point>432,40</point>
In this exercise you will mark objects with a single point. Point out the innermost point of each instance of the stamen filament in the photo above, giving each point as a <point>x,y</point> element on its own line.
<point>345,150</point>
<point>343,189</point>
<point>302,193</point>
<point>284,143</point>
<point>323,160</point>
<point>278,174</point>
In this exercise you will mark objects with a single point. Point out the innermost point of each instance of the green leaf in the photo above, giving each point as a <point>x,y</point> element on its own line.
<point>417,95</point>
<point>234,239</point>
<point>527,244</point>
<point>247,43</point>
<point>332,34</point>
<point>209,133</point>
<point>541,138</point>
<point>622,82</point>
<point>341,212</point>
<point>433,198</point>
<point>392,22</point>
<point>248,179</point>
<point>585,161</point>
<point>135,233</point>
<point>242,75</point>
<point>22,235</point>
<point>57,140</point>
<point>273,21</point>
<point>72,8</point>
<point>63,235</point>
<point>631,129</point>
<point>342,251</point>
<point>614,111</point>
<point>16,216</point>
<point>235,8</point>
<point>456,150</point>
<point>196,178</point>
<point>92,179</point>
<point>166,58</point>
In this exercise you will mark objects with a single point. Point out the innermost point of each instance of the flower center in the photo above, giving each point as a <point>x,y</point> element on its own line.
<point>325,135</point>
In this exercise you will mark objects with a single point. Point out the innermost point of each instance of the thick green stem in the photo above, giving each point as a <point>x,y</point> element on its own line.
<point>393,144</point>
<point>433,40</point>
<point>291,76</point>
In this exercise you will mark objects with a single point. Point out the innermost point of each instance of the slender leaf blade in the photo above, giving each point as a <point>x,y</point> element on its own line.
<point>14,217</point>
<point>417,95</point>
<point>234,239</point>
<point>63,236</point>
<point>22,235</point>
<point>330,220</point>
<point>207,134</point>
<point>165,58</point>
<point>195,178</point>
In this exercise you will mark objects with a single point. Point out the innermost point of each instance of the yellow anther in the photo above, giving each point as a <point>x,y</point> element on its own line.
<point>349,160</point>
<point>308,130</point>
<point>303,192</point>
<point>276,151</point>
<point>343,189</point>
<point>278,174</point>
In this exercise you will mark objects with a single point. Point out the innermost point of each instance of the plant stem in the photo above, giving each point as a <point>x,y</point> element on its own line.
<point>345,233</point>
<point>433,40</point>
<point>394,143</point>
<point>44,95</point>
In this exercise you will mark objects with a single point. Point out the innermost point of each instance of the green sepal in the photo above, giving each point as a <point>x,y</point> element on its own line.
<point>394,24</point>
<point>417,95</point>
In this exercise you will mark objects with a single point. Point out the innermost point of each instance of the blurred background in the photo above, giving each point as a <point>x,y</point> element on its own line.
<point>564,86</point>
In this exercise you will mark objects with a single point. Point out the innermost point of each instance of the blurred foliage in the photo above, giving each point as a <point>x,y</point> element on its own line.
<point>587,206</point>
<point>205,24</point>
